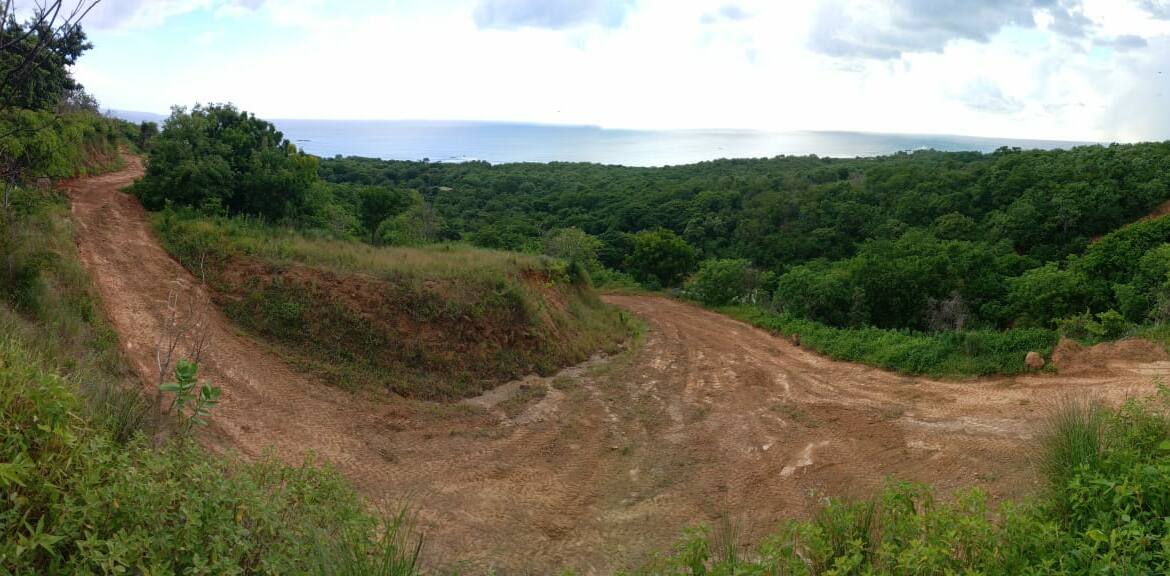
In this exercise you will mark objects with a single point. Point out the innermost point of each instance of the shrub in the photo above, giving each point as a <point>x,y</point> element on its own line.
<point>660,258</point>
<point>722,282</point>
<point>1089,327</point>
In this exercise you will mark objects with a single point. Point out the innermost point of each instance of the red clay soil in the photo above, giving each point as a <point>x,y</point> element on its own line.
<point>707,417</point>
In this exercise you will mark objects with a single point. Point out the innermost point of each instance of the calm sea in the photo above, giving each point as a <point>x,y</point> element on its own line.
<point>498,142</point>
<point>504,142</point>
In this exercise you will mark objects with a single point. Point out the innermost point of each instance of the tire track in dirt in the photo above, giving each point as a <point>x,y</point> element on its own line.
<point>706,418</point>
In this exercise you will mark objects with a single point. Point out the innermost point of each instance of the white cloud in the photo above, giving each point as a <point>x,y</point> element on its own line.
<point>1046,69</point>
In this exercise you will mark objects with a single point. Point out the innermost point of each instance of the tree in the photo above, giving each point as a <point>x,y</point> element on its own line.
<point>376,204</point>
<point>34,75</point>
<point>147,131</point>
<point>35,56</point>
<point>219,155</point>
<point>660,258</point>
<point>572,245</point>
<point>418,225</point>
<point>1049,292</point>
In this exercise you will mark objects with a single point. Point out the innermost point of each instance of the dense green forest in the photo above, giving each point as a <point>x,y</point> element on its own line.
<point>924,240</point>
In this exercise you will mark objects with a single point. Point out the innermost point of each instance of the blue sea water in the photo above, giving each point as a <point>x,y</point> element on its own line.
<point>501,142</point>
<point>507,142</point>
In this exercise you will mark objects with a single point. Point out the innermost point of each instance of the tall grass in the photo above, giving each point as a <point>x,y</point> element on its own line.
<point>349,552</point>
<point>191,236</point>
<point>1074,440</point>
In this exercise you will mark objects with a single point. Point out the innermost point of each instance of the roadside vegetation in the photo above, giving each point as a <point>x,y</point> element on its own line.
<point>87,487</point>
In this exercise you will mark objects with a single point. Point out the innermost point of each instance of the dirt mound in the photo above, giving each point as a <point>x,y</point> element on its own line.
<point>1071,358</point>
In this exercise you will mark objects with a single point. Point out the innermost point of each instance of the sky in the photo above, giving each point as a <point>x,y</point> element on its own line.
<point>1091,70</point>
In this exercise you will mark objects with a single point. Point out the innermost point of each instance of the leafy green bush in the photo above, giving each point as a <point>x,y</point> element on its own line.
<point>1089,327</point>
<point>722,282</point>
<point>660,258</point>
<point>78,503</point>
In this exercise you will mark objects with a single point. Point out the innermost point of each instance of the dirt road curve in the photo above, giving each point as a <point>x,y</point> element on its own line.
<point>707,417</point>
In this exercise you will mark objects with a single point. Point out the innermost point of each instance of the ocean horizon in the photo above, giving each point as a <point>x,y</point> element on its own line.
<point>503,142</point>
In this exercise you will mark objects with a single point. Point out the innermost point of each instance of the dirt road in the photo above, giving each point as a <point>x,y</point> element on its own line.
<point>705,418</point>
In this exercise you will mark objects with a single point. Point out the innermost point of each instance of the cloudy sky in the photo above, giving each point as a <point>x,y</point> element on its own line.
<point>1059,69</point>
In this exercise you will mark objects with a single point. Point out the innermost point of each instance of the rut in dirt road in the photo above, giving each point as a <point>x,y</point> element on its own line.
<point>706,417</point>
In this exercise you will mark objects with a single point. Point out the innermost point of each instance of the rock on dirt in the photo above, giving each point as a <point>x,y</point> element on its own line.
<point>1034,360</point>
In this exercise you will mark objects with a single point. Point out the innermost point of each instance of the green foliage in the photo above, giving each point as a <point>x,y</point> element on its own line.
<point>572,245</point>
<point>660,258</point>
<point>377,204</point>
<point>726,281</point>
<point>35,63</point>
<point>78,503</point>
<point>147,132</point>
<point>42,144</point>
<point>200,402</point>
<point>894,283</point>
<point>1048,292</point>
<point>1089,327</point>
<point>418,225</point>
<point>882,241</point>
<point>218,155</point>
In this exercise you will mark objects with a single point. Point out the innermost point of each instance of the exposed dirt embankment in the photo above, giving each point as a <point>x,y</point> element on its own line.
<point>606,462</point>
<point>415,338</point>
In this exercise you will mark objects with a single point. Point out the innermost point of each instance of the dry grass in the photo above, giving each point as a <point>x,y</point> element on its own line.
<point>438,262</point>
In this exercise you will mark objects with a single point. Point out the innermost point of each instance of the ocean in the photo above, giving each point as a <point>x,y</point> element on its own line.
<point>507,142</point>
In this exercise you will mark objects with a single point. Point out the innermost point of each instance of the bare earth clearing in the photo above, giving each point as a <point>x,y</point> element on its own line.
<point>706,417</point>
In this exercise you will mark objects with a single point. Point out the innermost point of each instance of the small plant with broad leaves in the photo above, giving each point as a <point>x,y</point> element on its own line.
<point>200,401</point>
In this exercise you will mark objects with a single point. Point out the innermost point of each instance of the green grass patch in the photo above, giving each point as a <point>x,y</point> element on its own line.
<point>943,354</point>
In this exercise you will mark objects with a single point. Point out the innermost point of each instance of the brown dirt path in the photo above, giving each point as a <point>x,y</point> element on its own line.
<point>706,418</point>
